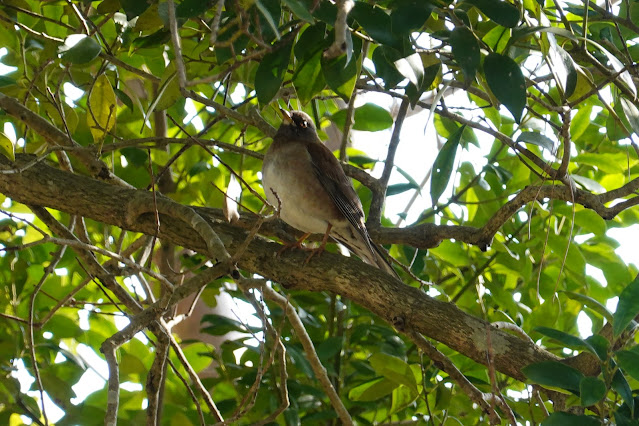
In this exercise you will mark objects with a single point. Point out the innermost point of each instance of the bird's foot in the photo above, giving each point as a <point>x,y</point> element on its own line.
<point>299,244</point>
<point>318,251</point>
<point>314,251</point>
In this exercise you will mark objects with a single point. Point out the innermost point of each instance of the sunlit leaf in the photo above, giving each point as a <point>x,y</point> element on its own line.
<point>368,117</point>
<point>7,147</point>
<point>102,108</point>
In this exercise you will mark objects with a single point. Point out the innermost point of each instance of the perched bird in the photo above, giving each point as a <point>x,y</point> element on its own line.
<point>306,182</point>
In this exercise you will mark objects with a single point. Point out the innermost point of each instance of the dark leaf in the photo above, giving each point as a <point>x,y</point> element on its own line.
<point>506,81</point>
<point>629,361</point>
<point>567,339</point>
<point>82,52</point>
<point>410,15</point>
<point>191,8</point>
<point>443,165</point>
<point>627,308</point>
<point>502,12</point>
<point>376,23</point>
<point>466,51</point>
<point>384,59</point>
<point>134,8</point>
<point>299,10</point>
<point>621,386</point>
<point>398,188</point>
<point>554,373</point>
<point>591,390</point>
<point>270,72</point>
<point>6,81</point>
<point>561,418</point>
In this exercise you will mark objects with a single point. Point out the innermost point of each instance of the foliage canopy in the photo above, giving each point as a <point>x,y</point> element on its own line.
<point>127,124</point>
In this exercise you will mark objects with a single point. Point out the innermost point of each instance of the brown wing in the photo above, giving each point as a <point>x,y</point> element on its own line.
<point>340,188</point>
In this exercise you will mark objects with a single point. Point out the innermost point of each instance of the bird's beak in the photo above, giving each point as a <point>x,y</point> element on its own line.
<point>286,117</point>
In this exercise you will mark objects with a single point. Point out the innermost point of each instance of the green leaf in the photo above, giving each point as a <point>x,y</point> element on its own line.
<point>124,98</point>
<point>102,108</point>
<point>60,390</point>
<point>627,308</point>
<point>399,188</point>
<point>6,81</point>
<point>466,51</point>
<point>372,390</point>
<point>299,10</point>
<point>555,374</point>
<point>600,344</point>
<point>621,386</point>
<point>629,362</point>
<point>443,166</point>
<point>401,397</point>
<point>501,12</point>
<point>330,347</point>
<point>7,147</point>
<point>134,8</point>
<point>591,390</point>
<point>561,418</point>
<point>506,81</point>
<point>394,369</point>
<point>191,8</point>
<point>410,15</point>
<point>567,339</point>
<point>591,303</point>
<point>270,72</point>
<point>376,23</point>
<point>538,139</point>
<point>341,74</point>
<point>85,50</point>
<point>308,79</point>
<point>269,18</point>
<point>384,58</point>
<point>221,325</point>
<point>368,117</point>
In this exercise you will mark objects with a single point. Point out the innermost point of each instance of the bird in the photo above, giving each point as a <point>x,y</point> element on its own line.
<point>306,183</point>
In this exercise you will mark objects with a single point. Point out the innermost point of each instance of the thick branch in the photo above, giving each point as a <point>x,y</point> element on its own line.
<point>365,285</point>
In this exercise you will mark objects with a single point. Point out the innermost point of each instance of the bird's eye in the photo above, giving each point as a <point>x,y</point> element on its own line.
<point>303,124</point>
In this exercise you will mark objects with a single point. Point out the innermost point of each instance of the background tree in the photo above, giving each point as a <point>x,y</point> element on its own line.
<point>128,124</point>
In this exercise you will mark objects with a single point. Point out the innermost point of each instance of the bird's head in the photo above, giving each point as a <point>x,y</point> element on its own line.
<point>297,125</point>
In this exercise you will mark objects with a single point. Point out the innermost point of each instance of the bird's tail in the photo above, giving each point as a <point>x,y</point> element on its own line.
<point>368,251</point>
